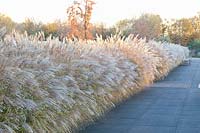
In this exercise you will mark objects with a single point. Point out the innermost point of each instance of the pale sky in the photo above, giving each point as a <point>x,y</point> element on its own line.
<point>106,11</point>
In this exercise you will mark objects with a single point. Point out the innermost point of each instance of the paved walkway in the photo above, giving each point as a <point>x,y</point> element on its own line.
<point>169,106</point>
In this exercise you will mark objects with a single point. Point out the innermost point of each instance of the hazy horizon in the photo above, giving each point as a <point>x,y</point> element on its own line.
<point>106,11</point>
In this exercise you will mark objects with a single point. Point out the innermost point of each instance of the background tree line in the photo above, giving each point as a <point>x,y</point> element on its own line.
<point>185,31</point>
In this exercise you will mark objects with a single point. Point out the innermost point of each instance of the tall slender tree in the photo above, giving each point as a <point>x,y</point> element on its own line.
<point>79,16</point>
<point>74,15</point>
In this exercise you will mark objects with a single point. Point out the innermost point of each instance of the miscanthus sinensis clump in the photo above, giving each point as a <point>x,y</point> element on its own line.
<point>53,86</point>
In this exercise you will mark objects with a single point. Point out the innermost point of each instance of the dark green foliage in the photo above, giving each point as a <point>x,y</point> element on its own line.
<point>195,44</point>
<point>194,47</point>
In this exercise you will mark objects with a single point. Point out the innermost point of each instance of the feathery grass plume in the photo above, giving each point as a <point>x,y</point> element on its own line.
<point>2,32</point>
<point>53,86</point>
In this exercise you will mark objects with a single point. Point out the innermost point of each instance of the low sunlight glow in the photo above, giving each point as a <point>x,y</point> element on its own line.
<point>82,66</point>
<point>106,11</point>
